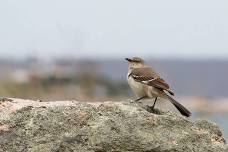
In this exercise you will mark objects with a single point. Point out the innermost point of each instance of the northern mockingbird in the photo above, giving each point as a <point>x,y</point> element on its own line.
<point>146,83</point>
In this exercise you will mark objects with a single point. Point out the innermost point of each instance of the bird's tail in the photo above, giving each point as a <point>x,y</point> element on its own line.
<point>181,108</point>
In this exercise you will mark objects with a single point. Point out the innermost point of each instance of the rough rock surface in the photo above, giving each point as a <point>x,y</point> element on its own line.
<point>66,126</point>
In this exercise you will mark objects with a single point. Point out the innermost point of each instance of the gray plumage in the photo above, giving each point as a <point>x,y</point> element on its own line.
<point>146,83</point>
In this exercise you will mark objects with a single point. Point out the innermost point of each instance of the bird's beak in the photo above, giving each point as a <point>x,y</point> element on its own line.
<point>129,60</point>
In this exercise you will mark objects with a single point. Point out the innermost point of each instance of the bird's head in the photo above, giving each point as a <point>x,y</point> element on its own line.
<point>135,62</point>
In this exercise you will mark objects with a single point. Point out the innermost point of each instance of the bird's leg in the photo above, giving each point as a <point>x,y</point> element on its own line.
<point>154,102</point>
<point>140,98</point>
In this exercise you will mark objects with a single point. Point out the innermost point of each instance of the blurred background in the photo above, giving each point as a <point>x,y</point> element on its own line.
<point>75,50</point>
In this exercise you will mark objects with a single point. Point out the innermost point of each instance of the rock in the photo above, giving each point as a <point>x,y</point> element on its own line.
<point>65,126</point>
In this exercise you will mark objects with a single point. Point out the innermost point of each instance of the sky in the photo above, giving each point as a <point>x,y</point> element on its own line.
<point>114,28</point>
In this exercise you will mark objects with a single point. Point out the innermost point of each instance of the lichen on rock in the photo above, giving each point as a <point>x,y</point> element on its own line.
<point>101,127</point>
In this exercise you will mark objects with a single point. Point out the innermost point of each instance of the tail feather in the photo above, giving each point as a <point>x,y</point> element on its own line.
<point>180,107</point>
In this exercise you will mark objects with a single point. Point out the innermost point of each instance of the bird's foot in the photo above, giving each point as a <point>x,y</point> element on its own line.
<point>152,107</point>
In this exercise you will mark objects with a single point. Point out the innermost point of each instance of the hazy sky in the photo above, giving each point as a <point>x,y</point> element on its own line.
<point>114,28</point>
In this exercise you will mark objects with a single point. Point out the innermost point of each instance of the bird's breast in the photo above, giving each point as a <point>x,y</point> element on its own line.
<point>137,87</point>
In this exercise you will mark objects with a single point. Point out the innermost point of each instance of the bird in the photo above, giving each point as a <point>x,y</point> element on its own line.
<point>147,84</point>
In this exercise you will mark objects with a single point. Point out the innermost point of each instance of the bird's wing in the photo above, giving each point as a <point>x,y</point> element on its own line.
<point>149,77</point>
